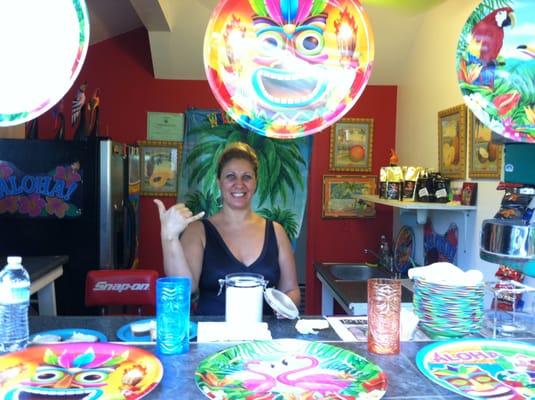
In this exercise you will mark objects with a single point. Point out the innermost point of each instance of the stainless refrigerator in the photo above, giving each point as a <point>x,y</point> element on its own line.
<point>72,198</point>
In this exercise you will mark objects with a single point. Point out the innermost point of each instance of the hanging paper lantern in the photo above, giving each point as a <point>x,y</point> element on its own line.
<point>288,68</point>
<point>44,44</point>
<point>496,67</point>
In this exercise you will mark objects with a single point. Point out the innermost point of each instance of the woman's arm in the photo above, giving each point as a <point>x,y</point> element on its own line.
<point>288,278</point>
<point>181,257</point>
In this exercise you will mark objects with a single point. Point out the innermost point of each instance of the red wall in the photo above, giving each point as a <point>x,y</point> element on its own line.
<point>121,67</point>
<point>344,240</point>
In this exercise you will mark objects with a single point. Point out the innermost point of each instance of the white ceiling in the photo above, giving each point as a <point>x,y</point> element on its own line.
<point>176,30</point>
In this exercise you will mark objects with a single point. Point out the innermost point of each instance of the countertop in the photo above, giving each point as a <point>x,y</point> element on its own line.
<point>38,266</point>
<point>404,379</point>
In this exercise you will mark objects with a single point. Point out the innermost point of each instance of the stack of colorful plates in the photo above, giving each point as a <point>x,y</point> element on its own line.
<point>447,310</point>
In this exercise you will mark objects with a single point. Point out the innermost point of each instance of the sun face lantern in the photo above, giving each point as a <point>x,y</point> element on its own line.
<point>44,44</point>
<point>496,67</point>
<point>288,68</point>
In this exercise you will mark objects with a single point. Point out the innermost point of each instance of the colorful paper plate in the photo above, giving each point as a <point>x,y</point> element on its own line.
<point>68,335</point>
<point>55,33</point>
<point>287,69</point>
<point>284,369</point>
<point>125,334</point>
<point>79,370</point>
<point>403,249</point>
<point>496,67</point>
<point>480,368</point>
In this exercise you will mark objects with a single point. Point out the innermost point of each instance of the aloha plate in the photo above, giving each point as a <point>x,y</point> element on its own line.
<point>480,368</point>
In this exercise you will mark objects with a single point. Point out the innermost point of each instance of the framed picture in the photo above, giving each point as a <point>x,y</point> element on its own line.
<point>340,196</point>
<point>159,167</point>
<point>485,156</point>
<point>351,145</point>
<point>469,194</point>
<point>452,142</point>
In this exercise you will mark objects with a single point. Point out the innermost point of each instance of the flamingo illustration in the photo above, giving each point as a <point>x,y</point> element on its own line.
<point>262,385</point>
<point>321,383</point>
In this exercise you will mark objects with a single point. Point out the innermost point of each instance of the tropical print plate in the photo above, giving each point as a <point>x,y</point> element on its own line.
<point>289,369</point>
<point>79,370</point>
<point>480,368</point>
<point>495,65</point>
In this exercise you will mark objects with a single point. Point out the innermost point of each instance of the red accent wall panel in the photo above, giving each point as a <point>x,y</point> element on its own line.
<point>122,68</point>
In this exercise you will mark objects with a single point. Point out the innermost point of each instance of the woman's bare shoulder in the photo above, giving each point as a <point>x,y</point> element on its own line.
<point>194,231</point>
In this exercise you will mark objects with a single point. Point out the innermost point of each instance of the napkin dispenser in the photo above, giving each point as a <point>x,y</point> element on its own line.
<point>509,243</point>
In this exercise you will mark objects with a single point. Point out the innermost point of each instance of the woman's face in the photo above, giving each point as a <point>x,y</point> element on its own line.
<point>237,183</point>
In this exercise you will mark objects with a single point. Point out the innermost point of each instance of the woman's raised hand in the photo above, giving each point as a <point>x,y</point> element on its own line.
<point>175,219</point>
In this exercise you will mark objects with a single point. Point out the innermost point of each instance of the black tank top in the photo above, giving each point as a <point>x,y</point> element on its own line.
<point>218,261</point>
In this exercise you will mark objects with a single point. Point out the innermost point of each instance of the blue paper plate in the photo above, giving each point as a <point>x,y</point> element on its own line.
<point>124,333</point>
<point>65,334</point>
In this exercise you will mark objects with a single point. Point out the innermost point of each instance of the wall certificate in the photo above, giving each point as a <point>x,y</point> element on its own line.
<point>165,126</point>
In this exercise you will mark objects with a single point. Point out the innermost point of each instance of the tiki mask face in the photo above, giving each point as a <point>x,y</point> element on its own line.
<point>288,68</point>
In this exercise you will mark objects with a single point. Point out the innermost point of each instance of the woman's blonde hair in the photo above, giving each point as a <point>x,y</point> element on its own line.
<point>238,150</point>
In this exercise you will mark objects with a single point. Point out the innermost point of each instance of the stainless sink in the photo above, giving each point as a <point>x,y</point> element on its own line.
<point>356,272</point>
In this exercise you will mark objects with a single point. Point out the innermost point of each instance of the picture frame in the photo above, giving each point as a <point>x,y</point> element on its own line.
<point>159,161</point>
<point>351,145</point>
<point>469,194</point>
<point>452,142</point>
<point>485,156</point>
<point>340,196</point>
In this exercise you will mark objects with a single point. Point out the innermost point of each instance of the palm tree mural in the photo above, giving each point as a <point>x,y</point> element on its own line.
<point>282,171</point>
<point>284,217</point>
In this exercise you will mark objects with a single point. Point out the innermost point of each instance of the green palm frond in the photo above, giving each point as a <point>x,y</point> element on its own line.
<point>198,201</point>
<point>286,218</point>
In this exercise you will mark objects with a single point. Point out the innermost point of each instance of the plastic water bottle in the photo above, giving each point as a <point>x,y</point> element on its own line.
<point>14,304</point>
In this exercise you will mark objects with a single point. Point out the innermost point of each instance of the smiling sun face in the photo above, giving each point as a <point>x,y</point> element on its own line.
<point>288,68</point>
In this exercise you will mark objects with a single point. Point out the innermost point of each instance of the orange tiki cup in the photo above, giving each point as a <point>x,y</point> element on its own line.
<point>384,308</point>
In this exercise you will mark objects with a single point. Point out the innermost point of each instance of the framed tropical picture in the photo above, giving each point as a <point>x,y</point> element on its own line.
<point>159,167</point>
<point>485,156</point>
<point>351,145</point>
<point>340,196</point>
<point>452,142</point>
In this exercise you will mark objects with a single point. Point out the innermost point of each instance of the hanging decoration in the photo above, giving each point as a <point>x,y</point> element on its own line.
<point>496,67</point>
<point>42,55</point>
<point>288,68</point>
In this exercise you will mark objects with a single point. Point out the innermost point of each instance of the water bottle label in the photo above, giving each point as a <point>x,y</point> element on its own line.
<point>15,294</point>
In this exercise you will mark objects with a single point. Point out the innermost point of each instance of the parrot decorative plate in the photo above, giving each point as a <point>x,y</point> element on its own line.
<point>403,249</point>
<point>496,67</point>
<point>481,368</point>
<point>289,369</point>
<point>288,68</point>
<point>79,370</point>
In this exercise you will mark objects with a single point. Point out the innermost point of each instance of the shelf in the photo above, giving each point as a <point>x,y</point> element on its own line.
<point>420,207</point>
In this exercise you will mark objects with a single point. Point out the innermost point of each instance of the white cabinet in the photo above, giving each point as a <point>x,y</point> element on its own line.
<point>415,215</point>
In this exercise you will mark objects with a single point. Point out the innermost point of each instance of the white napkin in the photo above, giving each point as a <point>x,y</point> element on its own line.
<point>408,323</point>
<point>228,331</point>
<point>446,273</point>
<point>307,326</point>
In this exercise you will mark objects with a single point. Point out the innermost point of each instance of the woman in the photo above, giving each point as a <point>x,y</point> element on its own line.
<point>234,240</point>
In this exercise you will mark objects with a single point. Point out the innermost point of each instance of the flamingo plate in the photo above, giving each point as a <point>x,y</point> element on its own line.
<point>289,369</point>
